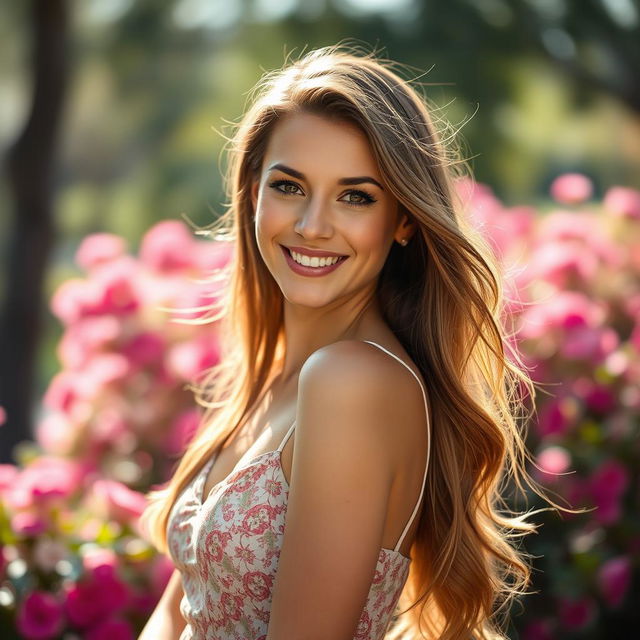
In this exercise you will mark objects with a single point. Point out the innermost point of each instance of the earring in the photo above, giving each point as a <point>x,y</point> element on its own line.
<point>403,242</point>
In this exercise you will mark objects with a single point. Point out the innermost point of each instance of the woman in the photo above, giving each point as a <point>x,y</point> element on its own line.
<point>362,416</point>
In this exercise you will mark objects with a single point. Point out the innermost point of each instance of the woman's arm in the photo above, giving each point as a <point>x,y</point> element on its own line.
<point>342,473</point>
<point>166,621</point>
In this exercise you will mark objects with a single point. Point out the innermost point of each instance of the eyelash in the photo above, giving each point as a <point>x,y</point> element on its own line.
<point>368,198</point>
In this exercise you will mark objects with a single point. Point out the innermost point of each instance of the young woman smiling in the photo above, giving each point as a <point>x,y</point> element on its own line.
<point>364,413</point>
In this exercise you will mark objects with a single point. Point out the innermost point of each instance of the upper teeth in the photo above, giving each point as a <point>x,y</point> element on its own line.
<point>314,262</point>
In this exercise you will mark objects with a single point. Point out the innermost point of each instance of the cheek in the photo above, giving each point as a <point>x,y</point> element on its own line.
<point>271,222</point>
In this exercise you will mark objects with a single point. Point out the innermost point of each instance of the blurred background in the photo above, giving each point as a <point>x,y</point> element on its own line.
<point>112,122</point>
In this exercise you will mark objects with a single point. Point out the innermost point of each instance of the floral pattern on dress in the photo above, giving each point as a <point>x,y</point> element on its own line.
<point>227,545</point>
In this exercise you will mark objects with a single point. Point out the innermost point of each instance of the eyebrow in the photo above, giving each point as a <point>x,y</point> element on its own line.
<point>350,181</point>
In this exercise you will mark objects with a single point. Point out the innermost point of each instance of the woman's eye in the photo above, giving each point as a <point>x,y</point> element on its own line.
<point>284,186</point>
<point>359,198</point>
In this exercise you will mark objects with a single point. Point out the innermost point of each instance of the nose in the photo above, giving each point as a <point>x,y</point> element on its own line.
<point>314,220</point>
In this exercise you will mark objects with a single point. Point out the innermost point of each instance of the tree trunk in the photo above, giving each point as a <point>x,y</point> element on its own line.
<point>31,173</point>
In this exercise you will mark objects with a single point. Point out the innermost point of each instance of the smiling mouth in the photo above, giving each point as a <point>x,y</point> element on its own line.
<point>315,259</point>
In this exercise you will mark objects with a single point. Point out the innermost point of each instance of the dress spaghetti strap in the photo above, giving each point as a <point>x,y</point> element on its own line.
<point>426,407</point>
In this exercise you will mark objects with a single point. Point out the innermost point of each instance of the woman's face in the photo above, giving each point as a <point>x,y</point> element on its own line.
<point>320,189</point>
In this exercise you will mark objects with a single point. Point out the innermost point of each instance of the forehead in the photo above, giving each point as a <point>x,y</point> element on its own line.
<point>311,143</point>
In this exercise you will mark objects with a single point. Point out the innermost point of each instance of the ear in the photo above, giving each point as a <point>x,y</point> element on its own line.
<point>405,228</point>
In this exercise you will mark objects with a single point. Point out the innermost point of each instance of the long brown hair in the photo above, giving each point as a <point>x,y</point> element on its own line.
<point>442,295</point>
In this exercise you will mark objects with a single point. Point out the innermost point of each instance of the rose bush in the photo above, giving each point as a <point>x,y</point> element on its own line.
<point>73,562</point>
<point>573,285</point>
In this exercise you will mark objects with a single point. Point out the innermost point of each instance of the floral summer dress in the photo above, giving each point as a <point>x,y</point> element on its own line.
<point>226,546</point>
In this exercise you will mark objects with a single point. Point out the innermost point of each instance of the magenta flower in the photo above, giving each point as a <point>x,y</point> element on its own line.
<point>614,579</point>
<point>99,595</point>
<point>557,416</point>
<point>606,486</point>
<point>576,614</point>
<point>40,616</point>
<point>623,202</point>
<point>571,188</point>
<point>538,630</point>
<point>113,629</point>
<point>98,248</point>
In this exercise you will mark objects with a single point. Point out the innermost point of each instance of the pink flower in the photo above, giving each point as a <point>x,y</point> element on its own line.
<point>74,299</point>
<point>623,202</point>
<point>187,360</point>
<point>561,264</point>
<point>118,501</point>
<point>571,188</point>
<point>40,616</point>
<point>614,579</point>
<point>590,344</point>
<point>86,336</point>
<point>99,248</point>
<point>117,288</point>
<point>565,310</point>
<point>144,349</point>
<point>576,614</point>
<point>28,523</point>
<point>111,630</point>
<point>167,246</point>
<point>45,479</point>
<point>8,474</point>
<point>56,434</point>
<point>98,557</point>
<point>61,392</point>
<point>553,461</point>
<point>182,430</point>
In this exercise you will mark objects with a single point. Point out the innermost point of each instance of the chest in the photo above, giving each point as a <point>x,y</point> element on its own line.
<point>262,432</point>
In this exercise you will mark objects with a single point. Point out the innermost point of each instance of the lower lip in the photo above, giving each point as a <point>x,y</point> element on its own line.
<point>309,271</point>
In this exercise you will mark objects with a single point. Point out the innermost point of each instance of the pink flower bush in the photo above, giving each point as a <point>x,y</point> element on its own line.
<point>575,305</point>
<point>125,354</point>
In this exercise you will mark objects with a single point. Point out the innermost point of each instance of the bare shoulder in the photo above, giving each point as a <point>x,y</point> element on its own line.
<point>362,378</point>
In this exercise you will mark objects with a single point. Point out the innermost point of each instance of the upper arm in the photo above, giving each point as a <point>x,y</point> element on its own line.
<point>341,479</point>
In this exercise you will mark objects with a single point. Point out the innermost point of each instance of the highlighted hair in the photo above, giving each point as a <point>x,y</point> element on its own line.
<point>442,295</point>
